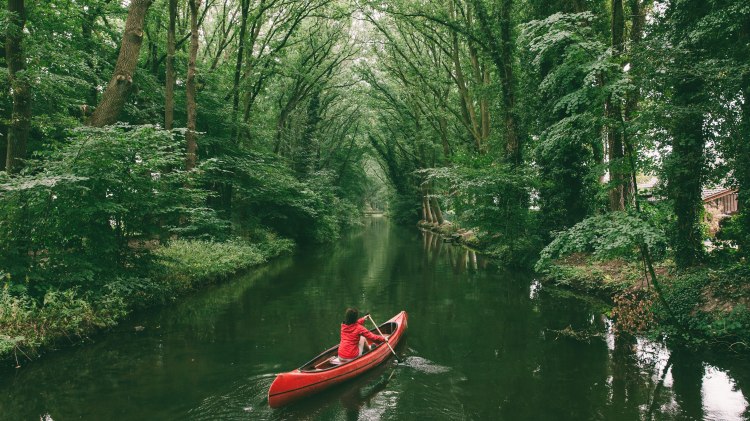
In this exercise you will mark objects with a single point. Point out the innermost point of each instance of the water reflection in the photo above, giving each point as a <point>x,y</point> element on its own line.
<point>722,399</point>
<point>679,384</point>
<point>460,258</point>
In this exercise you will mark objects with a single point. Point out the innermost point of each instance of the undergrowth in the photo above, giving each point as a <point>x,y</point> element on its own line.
<point>28,325</point>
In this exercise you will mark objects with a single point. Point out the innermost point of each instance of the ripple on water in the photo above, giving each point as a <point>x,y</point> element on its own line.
<point>424,365</point>
<point>243,398</point>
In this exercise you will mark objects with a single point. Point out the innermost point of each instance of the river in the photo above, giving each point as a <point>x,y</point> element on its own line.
<point>482,344</point>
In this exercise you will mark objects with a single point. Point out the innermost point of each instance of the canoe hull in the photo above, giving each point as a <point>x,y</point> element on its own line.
<point>297,384</point>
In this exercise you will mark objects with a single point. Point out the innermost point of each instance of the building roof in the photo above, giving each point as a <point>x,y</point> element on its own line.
<point>715,193</point>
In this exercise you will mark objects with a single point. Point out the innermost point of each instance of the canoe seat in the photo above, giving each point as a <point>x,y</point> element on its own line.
<point>329,362</point>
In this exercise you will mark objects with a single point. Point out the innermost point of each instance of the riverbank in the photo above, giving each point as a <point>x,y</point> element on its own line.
<point>705,307</point>
<point>30,326</point>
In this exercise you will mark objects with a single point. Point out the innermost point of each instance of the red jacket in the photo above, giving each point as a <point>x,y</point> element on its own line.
<point>349,346</point>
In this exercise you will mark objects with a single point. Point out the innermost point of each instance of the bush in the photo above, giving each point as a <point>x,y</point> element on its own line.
<point>27,324</point>
<point>708,307</point>
<point>80,216</point>
<point>608,236</point>
<point>189,263</point>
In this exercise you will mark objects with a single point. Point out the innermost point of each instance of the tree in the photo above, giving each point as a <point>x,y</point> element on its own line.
<point>244,11</point>
<point>613,113</point>
<point>191,135</point>
<point>170,79</point>
<point>742,158</point>
<point>20,120</point>
<point>118,89</point>
<point>501,47</point>
<point>687,162</point>
<point>567,56</point>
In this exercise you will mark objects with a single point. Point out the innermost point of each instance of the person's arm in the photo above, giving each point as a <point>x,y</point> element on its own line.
<point>371,336</point>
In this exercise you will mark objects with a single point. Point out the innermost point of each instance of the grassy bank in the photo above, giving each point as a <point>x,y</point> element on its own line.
<point>708,306</point>
<point>28,325</point>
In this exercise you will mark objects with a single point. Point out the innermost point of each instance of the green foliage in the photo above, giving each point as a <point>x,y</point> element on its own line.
<point>733,231</point>
<point>79,215</point>
<point>573,74</point>
<point>27,323</point>
<point>685,296</point>
<point>709,307</point>
<point>494,200</point>
<point>188,263</point>
<point>607,236</point>
<point>267,193</point>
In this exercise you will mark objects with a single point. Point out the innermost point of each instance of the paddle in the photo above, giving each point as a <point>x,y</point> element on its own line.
<point>381,334</point>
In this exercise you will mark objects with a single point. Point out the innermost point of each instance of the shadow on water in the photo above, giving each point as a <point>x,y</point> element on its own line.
<point>480,346</point>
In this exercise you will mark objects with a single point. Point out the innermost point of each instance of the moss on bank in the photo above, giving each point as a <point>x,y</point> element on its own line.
<point>704,307</point>
<point>28,326</point>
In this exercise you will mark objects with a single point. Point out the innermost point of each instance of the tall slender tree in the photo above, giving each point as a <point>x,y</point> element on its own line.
<point>686,168</point>
<point>244,11</point>
<point>20,121</point>
<point>742,160</point>
<point>192,110</point>
<point>501,50</point>
<point>613,112</point>
<point>170,77</point>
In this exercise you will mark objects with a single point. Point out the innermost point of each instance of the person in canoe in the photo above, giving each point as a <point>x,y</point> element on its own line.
<point>353,334</point>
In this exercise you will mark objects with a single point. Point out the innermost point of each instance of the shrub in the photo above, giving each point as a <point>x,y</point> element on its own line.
<point>27,324</point>
<point>77,217</point>
<point>189,263</point>
<point>607,236</point>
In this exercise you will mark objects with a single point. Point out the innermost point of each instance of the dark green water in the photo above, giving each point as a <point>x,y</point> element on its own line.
<point>480,346</point>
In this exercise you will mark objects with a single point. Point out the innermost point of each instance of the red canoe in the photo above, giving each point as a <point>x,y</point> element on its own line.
<point>322,372</point>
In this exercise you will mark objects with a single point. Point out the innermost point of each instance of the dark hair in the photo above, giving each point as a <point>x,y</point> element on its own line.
<point>351,316</point>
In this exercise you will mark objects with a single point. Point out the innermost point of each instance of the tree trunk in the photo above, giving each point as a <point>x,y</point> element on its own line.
<point>20,121</point>
<point>436,209</point>
<point>500,49</point>
<point>637,21</point>
<point>484,107</point>
<point>613,112</point>
<point>467,105</point>
<point>481,78</point>
<point>687,162</point>
<point>4,119</point>
<point>153,48</point>
<point>192,111</point>
<point>244,10</point>
<point>170,80</point>
<point>281,125</point>
<point>3,145</point>
<point>686,169</point>
<point>87,30</point>
<point>118,89</point>
<point>426,200</point>
<point>742,164</point>
<point>507,80</point>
